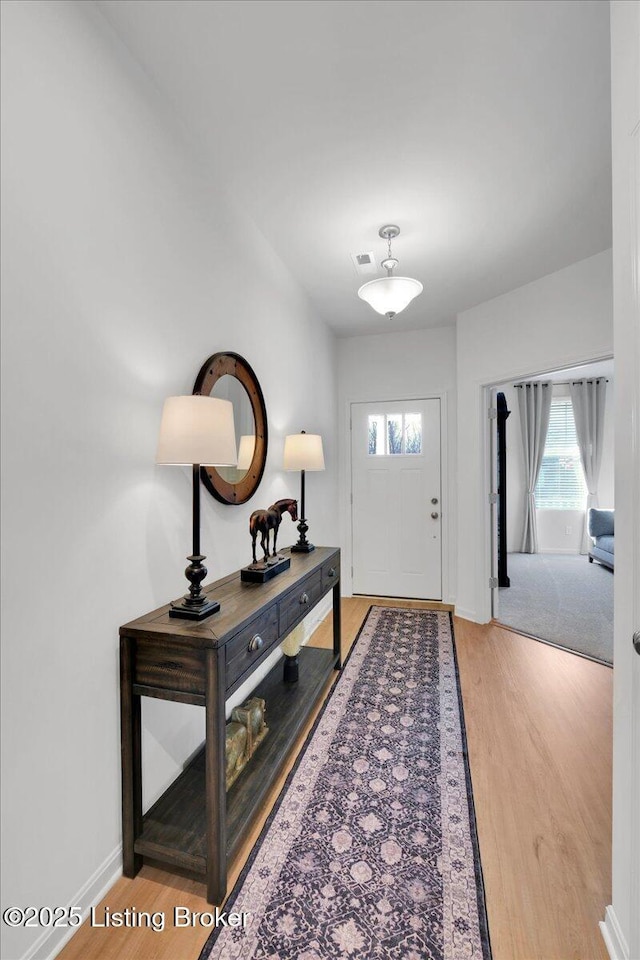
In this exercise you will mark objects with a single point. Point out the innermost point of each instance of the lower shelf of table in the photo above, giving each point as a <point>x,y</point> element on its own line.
<point>174,829</point>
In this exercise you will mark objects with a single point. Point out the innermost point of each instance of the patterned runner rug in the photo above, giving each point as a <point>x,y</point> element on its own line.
<point>371,850</point>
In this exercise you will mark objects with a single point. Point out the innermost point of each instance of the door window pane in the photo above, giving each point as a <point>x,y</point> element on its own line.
<point>413,433</point>
<point>376,435</point>
<point>393,434</point>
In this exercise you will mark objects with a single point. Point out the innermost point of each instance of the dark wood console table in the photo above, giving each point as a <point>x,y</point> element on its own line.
<point>196,825</point>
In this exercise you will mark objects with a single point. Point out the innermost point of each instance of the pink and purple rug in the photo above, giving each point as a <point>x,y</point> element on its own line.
<point>371,851</point>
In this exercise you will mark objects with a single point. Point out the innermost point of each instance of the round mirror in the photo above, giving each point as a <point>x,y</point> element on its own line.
<point>229,377</point>
<point>228,388</point>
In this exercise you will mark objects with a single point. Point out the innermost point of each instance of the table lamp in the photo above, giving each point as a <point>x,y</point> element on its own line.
<point>303,451</point>
<point>196,430</point>
<point>246,450</point>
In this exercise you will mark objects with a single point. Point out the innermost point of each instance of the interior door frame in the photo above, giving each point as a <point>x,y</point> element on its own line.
<point>446,496</point>
<point>493,506</point>
<point>484,590</point>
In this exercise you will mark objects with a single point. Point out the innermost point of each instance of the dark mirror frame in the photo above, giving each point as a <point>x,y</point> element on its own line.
<point>218,365</point>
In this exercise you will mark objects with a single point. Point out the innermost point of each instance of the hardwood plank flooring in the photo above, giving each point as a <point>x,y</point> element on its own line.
<point>539,731</point>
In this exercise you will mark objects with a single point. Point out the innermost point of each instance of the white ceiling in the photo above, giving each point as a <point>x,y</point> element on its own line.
<point>481,127</point>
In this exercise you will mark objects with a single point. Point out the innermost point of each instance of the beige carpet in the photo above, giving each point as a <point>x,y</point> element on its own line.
<point>563,599</point>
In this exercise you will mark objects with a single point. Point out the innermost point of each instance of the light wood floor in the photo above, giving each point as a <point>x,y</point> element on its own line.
<point>539,729</point>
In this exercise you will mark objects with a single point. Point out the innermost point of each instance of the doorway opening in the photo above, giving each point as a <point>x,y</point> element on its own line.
<point>549,579</point>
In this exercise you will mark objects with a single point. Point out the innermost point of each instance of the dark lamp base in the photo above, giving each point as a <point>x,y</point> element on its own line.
<point>305,547</point>
<point>291,672</point>
<point>183,610</point>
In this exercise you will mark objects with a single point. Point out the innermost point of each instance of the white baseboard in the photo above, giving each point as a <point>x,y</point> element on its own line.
<point>466,614</point>
<point>564,551</point>
<point>51,942</point>
<point>613,936</point>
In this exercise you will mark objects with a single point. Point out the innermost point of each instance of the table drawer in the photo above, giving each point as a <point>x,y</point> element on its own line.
<point>295,606</point>
<point>330,573</point>
<point>169,667</point>
<point>239,656</point>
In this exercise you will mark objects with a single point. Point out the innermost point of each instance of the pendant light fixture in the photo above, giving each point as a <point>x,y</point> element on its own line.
<point>389,295</point>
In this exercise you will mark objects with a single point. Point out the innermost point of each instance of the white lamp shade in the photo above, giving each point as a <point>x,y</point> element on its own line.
<point>245,451</point>
<point>390,295</point>
<point>303,451</point>
<point>197,429</point>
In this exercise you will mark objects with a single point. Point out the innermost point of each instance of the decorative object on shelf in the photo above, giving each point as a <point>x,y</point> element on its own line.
<point>303,451</point>
<point>235,747</point>
<point>196,430</point>
<point>243,735</point>
<point>262,522</point>
<point>228,376</point>
<point>290,646</point>
<point>390,295</point>
<point>250,717</point>
<point>253,714</point>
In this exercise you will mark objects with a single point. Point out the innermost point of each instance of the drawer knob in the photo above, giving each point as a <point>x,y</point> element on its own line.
<point>304,598</point>
<point>256,643</point>
<point>332,571</point>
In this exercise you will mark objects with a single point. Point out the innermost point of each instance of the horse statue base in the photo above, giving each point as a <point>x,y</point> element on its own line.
<point>263,570</point>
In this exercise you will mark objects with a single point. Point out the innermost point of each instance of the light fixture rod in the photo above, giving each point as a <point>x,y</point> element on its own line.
<point>389,232</point>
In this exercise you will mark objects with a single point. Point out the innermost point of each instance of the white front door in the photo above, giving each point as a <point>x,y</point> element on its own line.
<point>396,499</point>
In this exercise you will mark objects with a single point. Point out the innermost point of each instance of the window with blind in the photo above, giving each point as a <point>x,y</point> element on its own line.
<point>561,483</point>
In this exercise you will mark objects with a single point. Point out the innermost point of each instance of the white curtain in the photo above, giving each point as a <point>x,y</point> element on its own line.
<point>534,401</point>
<point>588,399</point>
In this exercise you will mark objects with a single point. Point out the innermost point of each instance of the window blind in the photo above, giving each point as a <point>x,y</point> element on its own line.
<point>561,483</point>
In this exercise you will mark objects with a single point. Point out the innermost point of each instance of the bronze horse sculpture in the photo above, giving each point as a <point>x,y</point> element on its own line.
<point>263,521</point>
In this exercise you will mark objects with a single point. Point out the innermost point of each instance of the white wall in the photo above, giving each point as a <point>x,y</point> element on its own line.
<point>417,363</point>
<point>561,320</point>
<point>123,269</point>
<point>552,524</point>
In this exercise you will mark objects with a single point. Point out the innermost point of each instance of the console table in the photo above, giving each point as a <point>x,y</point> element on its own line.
<point>196,826</point>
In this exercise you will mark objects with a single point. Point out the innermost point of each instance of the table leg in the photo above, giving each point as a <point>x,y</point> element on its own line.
<point>216,795</point>
<point>131,752</point>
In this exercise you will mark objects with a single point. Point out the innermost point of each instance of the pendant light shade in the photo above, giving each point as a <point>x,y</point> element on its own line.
<point>390,295</point>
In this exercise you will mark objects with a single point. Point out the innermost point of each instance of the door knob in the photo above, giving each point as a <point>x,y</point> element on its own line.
<point>636,641</point>
<point>434,515</point>
<point>434,499</point>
